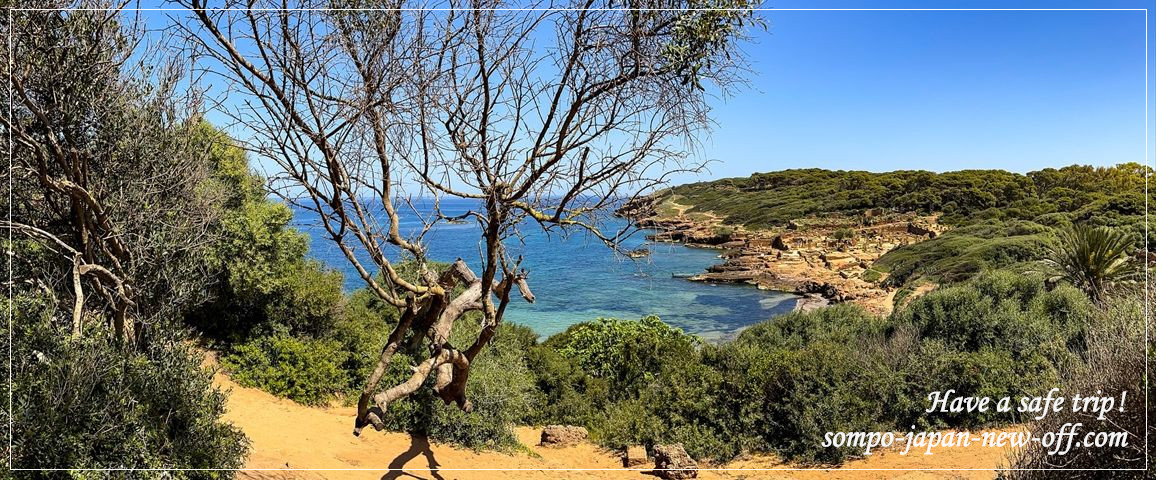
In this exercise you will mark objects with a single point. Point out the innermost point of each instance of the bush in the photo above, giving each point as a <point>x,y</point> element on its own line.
<point>629,422</point>
<point>630,382</point>
<point>262,281</point>
<point>626,353</point>
<point>306,371</point>
<point>1000,334</point>
<point>783,383</point>
<point>501,389</point>
<point>682,405</point>
<point>567,394</point>
<point>362,329</point>
<point>817,374</point>
<point>1116,363</point>
<point>93,402</point>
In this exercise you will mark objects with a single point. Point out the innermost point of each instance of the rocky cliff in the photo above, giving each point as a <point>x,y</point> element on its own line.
<point>828,259</point>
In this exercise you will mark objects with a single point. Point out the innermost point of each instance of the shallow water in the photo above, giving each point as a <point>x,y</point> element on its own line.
<point>577,278</point>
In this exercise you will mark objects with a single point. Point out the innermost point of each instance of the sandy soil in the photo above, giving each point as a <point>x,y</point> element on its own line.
<point>286,435</point>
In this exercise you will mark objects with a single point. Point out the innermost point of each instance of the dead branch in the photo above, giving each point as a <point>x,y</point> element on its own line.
<point>364,111</point>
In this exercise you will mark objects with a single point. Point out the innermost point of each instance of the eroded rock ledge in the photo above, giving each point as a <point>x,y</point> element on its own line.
<point>824,259</point>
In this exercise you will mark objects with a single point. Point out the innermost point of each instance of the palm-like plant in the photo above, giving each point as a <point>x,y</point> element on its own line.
<point>1093,259</point>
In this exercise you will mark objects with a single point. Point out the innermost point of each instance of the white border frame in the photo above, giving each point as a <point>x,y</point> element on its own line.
<point>1146,162</point>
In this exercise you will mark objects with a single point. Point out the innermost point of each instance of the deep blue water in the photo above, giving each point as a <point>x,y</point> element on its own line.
<point>577,278</point>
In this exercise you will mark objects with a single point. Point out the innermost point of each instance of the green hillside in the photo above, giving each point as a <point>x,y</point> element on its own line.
<point>1000,219</point>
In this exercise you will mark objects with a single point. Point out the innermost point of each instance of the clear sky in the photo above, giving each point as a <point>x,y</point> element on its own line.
<point>938,90</point>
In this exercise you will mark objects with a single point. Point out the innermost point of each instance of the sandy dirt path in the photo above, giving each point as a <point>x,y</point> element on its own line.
<point>288,435</point>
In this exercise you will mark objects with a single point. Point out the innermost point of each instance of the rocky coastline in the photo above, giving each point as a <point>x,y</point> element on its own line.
<point>824,260</point>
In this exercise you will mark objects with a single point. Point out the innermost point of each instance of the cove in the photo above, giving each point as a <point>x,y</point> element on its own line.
<point>577,278</point>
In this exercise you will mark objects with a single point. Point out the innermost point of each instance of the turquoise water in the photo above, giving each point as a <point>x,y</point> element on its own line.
<point>577,278</point>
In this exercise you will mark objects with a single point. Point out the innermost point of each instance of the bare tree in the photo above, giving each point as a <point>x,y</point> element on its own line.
<point>106,172</point>
<point>544,117</point>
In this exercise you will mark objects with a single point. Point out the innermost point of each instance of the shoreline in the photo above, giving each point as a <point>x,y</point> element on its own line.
<point>823,260</point>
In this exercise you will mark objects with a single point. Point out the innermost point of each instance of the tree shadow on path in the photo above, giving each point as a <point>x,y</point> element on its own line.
<point>419,445</point>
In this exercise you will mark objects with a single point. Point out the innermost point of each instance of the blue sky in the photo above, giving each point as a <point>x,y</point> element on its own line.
<point>938,90</point>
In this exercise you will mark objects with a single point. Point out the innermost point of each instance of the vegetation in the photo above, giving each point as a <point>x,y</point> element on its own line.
<point>112,213</point>
<point>276,288</point>
<point>838,368</point>
<point>501,384</point>
<point>1093,259</point>
<point>138,228</point>
<point>1112,196</point>
<point>94,402</point>
<point>1000,220</point>
<point>965,251</point>
<point>833,369</point>
<point>305,370</point>
<point>1115,364</point>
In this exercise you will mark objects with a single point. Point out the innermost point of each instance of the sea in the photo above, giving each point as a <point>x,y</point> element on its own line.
<point>576,278</point>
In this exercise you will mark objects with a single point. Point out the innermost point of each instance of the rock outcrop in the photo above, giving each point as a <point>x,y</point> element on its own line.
<point>634,456</point>
<point>682,229</point>
<point>563,435</point>
<point>672,463</point>
<point>827,258</point>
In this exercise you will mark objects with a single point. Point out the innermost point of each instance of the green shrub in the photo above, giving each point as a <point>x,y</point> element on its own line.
<point>783,383</point>
<point>816,372</point>
<point>362,329</point>
<point>630,382</point>
<point>501,389</point>
<point>306,371</point>
<point>567,394</point>
<point>1000,334</point>
<point>686,402</point>
<point>626,353</point>
<point>821,387</point>
<point>872,275</point>
<point>1116,363</point>
<point>262,281</point>
<point>629,422</point>
<point>92,402</point>
<point>309,301</point>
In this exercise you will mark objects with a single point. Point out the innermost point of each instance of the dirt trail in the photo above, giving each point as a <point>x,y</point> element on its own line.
<point>288,435</point>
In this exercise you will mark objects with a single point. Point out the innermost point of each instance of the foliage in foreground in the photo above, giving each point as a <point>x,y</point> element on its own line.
<point>93,402</point>
<point>1115,364</point>
<point>317,370</point>
<point>112,213</point>
<point>305,370</point>
<point>783,383</point>
<point>501,386</point>
<point>777,388</point>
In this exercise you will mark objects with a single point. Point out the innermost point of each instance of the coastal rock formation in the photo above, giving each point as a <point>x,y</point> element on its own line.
<point>825,257</point>
<point>563,435</point>
<point>682,229</point>
<point>672,463</point>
